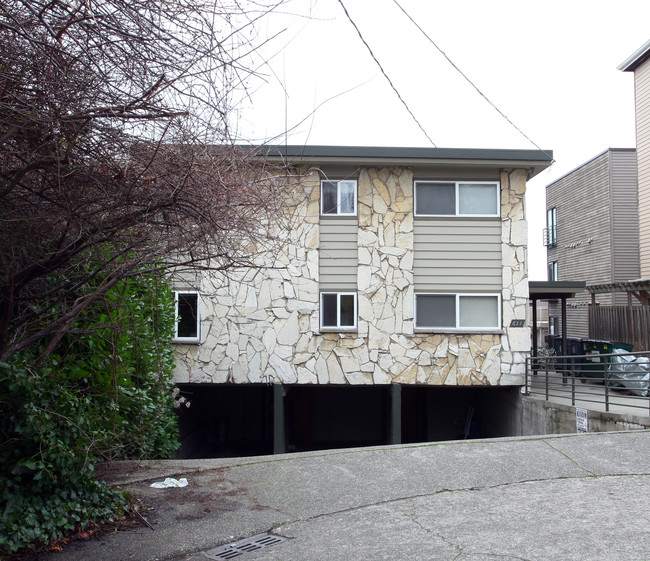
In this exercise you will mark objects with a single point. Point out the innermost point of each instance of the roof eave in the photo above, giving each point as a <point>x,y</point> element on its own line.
<point>533,160</point>
<point>631,63</point>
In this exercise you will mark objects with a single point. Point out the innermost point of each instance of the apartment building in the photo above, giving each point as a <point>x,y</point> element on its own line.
<point>396,312</point>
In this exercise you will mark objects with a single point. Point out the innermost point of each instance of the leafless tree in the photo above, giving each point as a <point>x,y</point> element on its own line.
<point>115,152</point>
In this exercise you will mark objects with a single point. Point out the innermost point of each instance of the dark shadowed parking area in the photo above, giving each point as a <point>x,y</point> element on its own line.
<point>241,420</point>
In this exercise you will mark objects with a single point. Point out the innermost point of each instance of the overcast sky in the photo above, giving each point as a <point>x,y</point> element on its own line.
<point>550,67</point>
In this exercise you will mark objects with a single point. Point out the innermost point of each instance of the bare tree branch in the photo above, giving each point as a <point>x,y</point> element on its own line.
<point>105,108</point>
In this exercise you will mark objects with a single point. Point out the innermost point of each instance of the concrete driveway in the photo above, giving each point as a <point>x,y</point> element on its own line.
<point>568,497</point>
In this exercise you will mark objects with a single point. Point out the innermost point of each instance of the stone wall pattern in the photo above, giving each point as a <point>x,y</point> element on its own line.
<point>262,326</point>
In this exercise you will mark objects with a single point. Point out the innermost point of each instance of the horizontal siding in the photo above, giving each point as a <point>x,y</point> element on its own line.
<point>457,255</point>
<point>642,98</point>
<point>338,254</point>
<point>577,313</point>
<point>583,202</point>
<point>625,216</point>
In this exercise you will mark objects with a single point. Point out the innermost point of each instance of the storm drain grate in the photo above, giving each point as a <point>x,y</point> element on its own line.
<point>232,550</point>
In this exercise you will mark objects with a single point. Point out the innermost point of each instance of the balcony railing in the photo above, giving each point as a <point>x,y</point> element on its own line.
<point>550,237</point>
<point>618,382</point>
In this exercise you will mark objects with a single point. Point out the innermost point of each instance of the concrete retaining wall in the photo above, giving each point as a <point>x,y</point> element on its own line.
<point>543,417</point>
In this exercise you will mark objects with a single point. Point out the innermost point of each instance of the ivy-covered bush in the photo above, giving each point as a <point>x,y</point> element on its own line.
<point>104,394</point>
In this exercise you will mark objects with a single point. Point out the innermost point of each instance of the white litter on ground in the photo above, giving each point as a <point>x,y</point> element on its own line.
<point>170,482</point>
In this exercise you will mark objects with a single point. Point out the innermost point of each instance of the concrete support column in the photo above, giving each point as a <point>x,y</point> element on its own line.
<point>279,440</point>
<point>395,436</point>
<point>565,349</point>
<point>535,350</point>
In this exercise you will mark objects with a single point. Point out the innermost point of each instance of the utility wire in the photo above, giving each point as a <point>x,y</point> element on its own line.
<point>386,75</point>
<point>468,80</point>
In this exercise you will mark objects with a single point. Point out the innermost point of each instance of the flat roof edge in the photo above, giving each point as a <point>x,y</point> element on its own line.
<point>590,160</point>
<point>404,153</point>
<point>545,290</point>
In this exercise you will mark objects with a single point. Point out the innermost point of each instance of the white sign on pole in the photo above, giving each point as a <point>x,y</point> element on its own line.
<point>581,420</point>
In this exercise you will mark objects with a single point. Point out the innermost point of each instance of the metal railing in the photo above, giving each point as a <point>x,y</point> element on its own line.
<point>619,382</point>
<point>550,237</point>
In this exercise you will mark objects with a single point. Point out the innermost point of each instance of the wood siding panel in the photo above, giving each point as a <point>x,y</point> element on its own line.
<point>627,325</point>
<point>338,254</point>
<point>642,101</point>
<point>625,216</point>
<point>457,255</point>
<point>584,248</point>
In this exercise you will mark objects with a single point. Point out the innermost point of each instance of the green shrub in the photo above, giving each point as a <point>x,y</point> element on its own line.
<point>105,394</point>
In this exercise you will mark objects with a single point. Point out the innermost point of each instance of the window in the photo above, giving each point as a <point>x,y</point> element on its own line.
<point>187,317</point>
<point>436,198</point>
<point>552,271</point>
<point>338,310</point>
<point>457,311</point>
<point>553,325</point>
<point>338,198</point>
<point>550,234</point>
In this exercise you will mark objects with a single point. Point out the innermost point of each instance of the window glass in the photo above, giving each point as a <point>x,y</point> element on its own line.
<point>347,310</point>
<point>347,191</point>
<point>478,311</point>
<point>188,306</point>
<point>329,197</point>
<point>551,226</point>
<point>328,310</point>
<point>477,199</point>
<point>435,198</point>
<point>338,310</point>
<point>435,310</point>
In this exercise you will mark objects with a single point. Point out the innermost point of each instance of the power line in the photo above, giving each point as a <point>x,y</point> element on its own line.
<point>386,75</point>
<point>468,80</point>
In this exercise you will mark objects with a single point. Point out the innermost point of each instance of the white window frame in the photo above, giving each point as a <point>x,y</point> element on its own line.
<point>457,328</point>
<point>197,337</point>
<point>552,271</point>
<point>457,185</point>
<point>338,326</point>
<point>353,182</point>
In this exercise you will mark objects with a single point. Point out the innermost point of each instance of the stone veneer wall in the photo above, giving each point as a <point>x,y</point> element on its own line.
<point>261,325</point>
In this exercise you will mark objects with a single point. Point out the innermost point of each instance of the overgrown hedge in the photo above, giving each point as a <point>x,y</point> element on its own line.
<point>105,394</point>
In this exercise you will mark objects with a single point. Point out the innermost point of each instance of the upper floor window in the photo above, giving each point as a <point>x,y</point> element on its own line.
<point>552,271</point>
<point>460,198</point>
<point>338,311</point>
<point>457,311</point>
<point>338,198</point>
<point>187,317</point>
<point>550,234</point>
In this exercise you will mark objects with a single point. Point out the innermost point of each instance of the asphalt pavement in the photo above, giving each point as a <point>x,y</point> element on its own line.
<point>560,497</point>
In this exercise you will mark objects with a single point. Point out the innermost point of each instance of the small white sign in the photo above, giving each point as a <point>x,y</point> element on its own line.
<point>581,420</point>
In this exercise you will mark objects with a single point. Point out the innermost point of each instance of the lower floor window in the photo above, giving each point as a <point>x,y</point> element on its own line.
<point>187,317</point>
<point>457,311</point>
<point>338,310</point>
